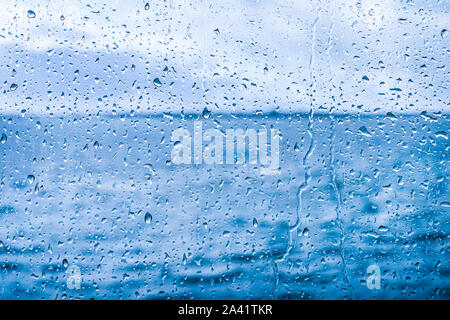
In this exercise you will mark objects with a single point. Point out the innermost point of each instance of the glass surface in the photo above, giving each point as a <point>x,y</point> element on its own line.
<point>224,149</point>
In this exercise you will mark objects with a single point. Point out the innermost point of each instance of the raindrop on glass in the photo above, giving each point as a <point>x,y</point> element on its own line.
<point>30,178</point>
<point>31,14</point>
<point>157,83</point>
<point>4,138</point>
<point>206,113</point>
<point>148,217</point>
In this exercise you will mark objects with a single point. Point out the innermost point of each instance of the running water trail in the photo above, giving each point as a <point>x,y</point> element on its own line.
<point>307,169</point>
<point>333,183</point>
<point>339,221</point>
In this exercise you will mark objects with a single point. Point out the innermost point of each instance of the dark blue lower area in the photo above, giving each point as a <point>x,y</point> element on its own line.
<point>101,195</point>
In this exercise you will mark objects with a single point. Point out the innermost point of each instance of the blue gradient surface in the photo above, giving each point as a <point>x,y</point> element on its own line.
<point>92,204</point>
<point>377,194</point>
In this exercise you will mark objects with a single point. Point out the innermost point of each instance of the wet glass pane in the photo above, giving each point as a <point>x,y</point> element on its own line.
<point>236,149</point>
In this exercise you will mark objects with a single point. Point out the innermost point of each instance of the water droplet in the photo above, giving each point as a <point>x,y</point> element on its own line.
<point>255,223</point>
<point>65,263</point>
<point>442,134</point>
<point>383,228</point>
<point>390,116</point>
<point>157,83</point>
<point>206,113</point>
<point>363,131</point>
<point>30,178</point>
<point>148,217</point>
<point>13,87</point>
<point>4,138</point>
<point>445,204</point>
<point>147,6</point>
<point>305,232</point>
<point>444,33</point>
<point>62,18</point>
<point>31,14</point>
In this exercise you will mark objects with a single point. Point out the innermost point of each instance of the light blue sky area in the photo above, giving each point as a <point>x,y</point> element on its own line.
<point>229,56</point>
